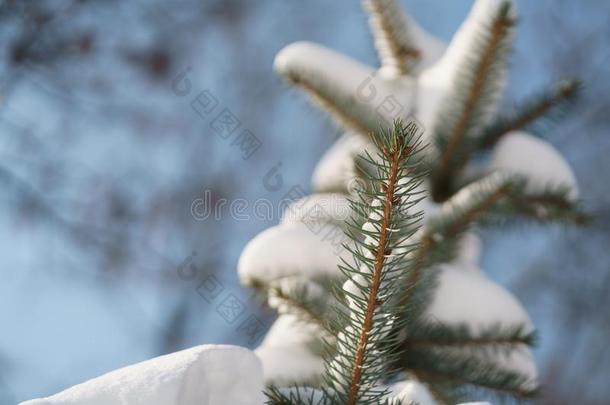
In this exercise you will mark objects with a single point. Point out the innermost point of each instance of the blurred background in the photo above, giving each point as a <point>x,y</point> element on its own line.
<point>102,157</point>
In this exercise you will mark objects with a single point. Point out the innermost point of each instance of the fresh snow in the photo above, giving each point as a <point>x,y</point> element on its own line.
<point>470,298</point>
<point>536,160</point>
<point>287,354</point>
<point>371,97</point>
<point>412,391</point>
<point>202,375</point>
<point>311,250</point>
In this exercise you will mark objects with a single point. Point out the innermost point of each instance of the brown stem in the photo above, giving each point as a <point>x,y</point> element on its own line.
<point>372,301</point>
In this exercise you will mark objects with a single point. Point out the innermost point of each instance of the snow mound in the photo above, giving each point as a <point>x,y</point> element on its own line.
<point>297,59</point>
<point>525,155</point>
<point>202,375</point>
<point>310,250</point>
<point>370,97</point>
<point>470,298</point>
<point>287,353</point>
<point>411,391</point>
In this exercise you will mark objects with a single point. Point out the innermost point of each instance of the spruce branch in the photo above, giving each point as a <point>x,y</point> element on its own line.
<point>547,204</point>
<point>396,49</point>
<point>477,86</point>
<point>492,337</point>
<point>550,206</point>
<point>548,103</point>
<point>396,150</point>
<point>440,235</point>
<point>469,204</point>
<point>382,236</point>
<point>380,257</point>
<point>438,239</point>
<point>464,370</point>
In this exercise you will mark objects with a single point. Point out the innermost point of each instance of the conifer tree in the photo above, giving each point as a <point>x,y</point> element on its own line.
<point>398,311</point>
